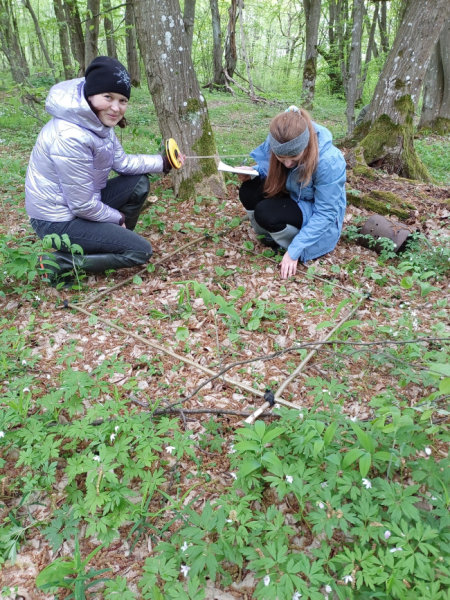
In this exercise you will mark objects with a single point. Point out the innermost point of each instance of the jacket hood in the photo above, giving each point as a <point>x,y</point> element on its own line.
<point>66,101</point>
<point>324,137</point>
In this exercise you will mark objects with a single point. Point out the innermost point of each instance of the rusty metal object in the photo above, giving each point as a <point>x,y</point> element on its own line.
<point>379,227</point>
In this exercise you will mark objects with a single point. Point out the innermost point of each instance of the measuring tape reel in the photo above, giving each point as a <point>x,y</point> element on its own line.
<point>173,152</point>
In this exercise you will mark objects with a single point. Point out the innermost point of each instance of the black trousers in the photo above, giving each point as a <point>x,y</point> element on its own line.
<point>273,214</point>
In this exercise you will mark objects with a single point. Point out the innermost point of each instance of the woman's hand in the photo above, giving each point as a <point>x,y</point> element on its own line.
<point>288,266</point>
<point>182,158</point>
<point>244,177</point>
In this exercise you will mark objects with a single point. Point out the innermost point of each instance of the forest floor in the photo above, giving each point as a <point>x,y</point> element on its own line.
<point>44,344</point>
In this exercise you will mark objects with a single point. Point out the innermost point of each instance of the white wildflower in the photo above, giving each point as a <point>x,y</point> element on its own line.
<point>367,484</point>
<point>324,485</point>
<point>324,391</point>
<point>387,534</point>
<point>296,596</point>
<point>112,437</point>
<point>37,298</point>
<point>185,570</point>
<point>2,434</point>
<point>24,362</point>
<point>233,475</point>
<point>184,547</point>
<point>26,390</point>
<point>328,589</point>
<point>116,428</point>
<point>428,451</point>
<point>347,579</point>
<point>266,580</point>
<point>289,478</point>
<point>231,449</point>
<point>48,376</point>
<point>229,520</point>
<point>321,505</point>
<point>392,550</point>
<point>300,415</point>
<point>276,405</point>
<point>170,449</point>
<point>354,419</point>
<point>97,458</point>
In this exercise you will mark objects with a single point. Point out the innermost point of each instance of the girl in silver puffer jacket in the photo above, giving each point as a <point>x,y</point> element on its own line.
<point>67,190</point>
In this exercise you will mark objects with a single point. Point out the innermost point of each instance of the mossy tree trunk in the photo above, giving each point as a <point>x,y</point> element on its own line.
<point>219,77</point>
<point>189,20</point>
<point>180,107</point>
<point>10,44</point>
<point>387,133</point>
<point>354,63</point>
<point>436,90</point>
<point>131,46</point>
<point>230,40</point>
<point>312,18</point>
<point>63,39</point>
<point>91,31</point>
<point>76,33</point>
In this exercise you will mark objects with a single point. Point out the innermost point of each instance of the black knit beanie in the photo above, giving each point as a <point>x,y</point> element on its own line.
<point>106,74</point>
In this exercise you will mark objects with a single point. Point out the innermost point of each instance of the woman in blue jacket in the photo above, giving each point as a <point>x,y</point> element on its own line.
<point>298,200</point>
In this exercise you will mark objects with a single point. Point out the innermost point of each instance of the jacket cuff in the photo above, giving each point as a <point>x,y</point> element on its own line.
<point>295,254</point>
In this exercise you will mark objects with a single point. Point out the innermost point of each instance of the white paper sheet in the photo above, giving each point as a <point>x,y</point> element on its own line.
<point>242,171</point>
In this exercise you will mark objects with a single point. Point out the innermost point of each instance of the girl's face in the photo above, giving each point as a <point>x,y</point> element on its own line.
<point>110,107</point>
<point>290,161</point>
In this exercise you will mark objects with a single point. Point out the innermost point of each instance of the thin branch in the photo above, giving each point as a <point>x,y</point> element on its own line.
<point>104,12</point>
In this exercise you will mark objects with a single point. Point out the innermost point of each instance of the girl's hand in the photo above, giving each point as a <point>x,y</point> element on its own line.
<point>288,266</point>
<point>244,177</point>
<point>182,158</point>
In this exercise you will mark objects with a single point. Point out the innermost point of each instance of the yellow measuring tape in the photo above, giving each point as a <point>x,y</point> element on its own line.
<point>173,153</point>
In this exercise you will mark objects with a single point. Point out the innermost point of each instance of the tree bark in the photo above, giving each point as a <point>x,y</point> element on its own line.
<point>109,30</point>
<point>180,106</point>
<point>312,17</point>
<point>132,53</point>
<point>230,41</point>
<point>10,44</point>
<point>244,51</point>
<point>383,28</point>
<point>40,37</point>
<point>63,39</point>
<point>354,69</point>
<point>218,79</point>
<point>189,20</point>
<point>91,31</point>
<point>76,34</point>
<point>331,55</point>
<point>371,49</point>
<point>387,131</point>
<point>436,93</point>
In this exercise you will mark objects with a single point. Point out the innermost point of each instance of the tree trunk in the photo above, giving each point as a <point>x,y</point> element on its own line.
<point>189,20</point>
<point>383,28</point>
<point>218,79</point>
<point>230,41</point>
<point>244,51</point>
<point>387,131</point>
<point>10,44</point>
<point>312,17</point>
<point>109,30</point>
<point>76,33</point>
<point>132,53</point>
<point>354,69</point>
<point>331,55</point>
<point>180,106</point>
<point>40,37</point>
<point>63,39</point>
<point>436,93</point>
<point>371,49</point>
<point>91,31</point>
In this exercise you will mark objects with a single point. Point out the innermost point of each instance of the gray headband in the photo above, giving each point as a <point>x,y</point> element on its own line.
<point>291,148</point>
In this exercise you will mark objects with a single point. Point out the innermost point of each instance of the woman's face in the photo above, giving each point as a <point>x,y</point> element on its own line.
<point>110,107</point>
<point>290,161</point>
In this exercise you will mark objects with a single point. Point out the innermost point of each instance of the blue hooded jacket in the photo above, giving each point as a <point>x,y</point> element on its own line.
<point>322,202</point>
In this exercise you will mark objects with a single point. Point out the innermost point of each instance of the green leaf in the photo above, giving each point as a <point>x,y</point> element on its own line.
<point>260,429</point>
<point>182,334</point>
<point>272,434</point>
<point>324,324</point>
<point>365,462</point>
<point>407,283</point>
<point>365,440</point>
<point>351,456</point>
<point>92,320</point>
<point>329,433</point>
<point>219,271</point>
<point>137,280</point>
<point>253,324</point>
<point>349,324</point>
<point>249,466</point>
<point>444,386</point>
<point>386,456</point>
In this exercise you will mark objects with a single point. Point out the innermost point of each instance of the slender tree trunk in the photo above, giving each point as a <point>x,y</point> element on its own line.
<point>132,53</point>
<point>63,39</point>
<point>40,37</point>
<point>331,56</point>
<point>371,49</point>
<point>91,31</point>
<point>218,79</point>
<point>312,16</point>
<point>383,28</point>
<point>180,106</point>
<point>387,131</point>
<point>354,70</point>
<point>189,20</point>
<point>436,93</point>
<point>109,30</point>
<point>230,41</point>
<point>10,44</point>
<point>76,33</point>
<point>244,51</point>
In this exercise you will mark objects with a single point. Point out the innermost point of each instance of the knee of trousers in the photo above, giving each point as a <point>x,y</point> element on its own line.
<point>141,189</point>
<point>245,192</point>
<point>265,218</point>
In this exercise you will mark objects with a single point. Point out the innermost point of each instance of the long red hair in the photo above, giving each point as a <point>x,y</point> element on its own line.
<point>284,128</point>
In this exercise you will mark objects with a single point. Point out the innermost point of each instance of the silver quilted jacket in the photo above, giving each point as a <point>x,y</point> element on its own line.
<point>72,158</point>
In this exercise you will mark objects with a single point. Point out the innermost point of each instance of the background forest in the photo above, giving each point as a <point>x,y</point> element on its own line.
<point>126,467</point>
